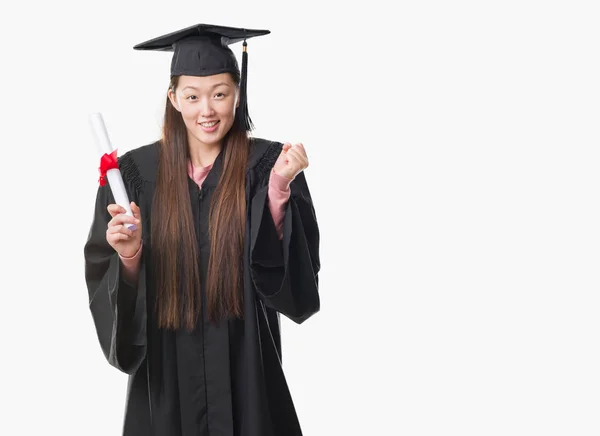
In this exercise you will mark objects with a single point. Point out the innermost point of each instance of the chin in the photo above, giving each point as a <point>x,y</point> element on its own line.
<point>209,139</point>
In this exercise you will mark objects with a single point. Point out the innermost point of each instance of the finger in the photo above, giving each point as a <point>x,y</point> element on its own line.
<point>117,238</point>
<point>123,219</point>
<point>283,152</point>
<point>283,156</point>
<point>115,209</point>
<point>300,149</point>
<point>299,159</point>
<point>295,164</point>
<point>293,155</point>
<point>136,210</point>
<point>119,229</point>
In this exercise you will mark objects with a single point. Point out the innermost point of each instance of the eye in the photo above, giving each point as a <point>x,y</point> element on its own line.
<point>219,95</point>
<point>191,97</point>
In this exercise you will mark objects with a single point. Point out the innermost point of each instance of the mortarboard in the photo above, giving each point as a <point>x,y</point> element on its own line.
<point>203,50</point>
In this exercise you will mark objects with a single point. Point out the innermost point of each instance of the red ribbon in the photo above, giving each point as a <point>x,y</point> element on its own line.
<point>107,162</point>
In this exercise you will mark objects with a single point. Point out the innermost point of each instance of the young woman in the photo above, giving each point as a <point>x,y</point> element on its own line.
<point>225,240</point>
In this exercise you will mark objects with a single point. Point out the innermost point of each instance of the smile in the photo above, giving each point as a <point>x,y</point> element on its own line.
<point>209,124</point>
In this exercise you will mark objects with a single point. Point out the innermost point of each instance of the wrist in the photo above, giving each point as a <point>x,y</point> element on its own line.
<point>280,182</point>
<point>133,256</point>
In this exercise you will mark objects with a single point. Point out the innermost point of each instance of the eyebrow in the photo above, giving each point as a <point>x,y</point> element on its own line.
<point>213,87</point>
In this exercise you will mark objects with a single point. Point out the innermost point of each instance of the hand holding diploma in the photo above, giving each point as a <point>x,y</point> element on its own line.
<point>126,242</point>
<point>124,232</point>
<point>109,168</point>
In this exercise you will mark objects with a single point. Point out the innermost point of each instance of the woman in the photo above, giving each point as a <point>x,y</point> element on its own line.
<point>226,239</point>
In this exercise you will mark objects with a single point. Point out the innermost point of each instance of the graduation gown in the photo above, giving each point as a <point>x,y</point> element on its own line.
<point>223,380</point>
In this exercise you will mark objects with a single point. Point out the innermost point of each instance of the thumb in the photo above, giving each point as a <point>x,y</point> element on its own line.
<point>286,147</point>
<point>135,210</point>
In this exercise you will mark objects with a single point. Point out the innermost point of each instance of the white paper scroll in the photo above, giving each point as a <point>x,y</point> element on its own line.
<point>115,180</point>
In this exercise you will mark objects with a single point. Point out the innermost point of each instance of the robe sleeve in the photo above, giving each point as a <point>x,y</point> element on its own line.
<point>285,272</point>
<point>118,307</point>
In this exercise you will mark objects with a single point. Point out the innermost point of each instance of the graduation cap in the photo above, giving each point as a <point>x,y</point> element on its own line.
<point>203,50</point>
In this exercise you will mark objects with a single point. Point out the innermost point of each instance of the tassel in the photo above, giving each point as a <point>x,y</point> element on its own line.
<point>247,121</point>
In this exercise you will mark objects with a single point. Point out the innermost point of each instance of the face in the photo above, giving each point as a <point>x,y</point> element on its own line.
<point>207,105</point>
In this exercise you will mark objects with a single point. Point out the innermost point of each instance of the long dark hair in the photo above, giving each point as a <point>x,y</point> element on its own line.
<point>174,244</point>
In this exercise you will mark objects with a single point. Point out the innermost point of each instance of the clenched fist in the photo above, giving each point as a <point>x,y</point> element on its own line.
<point>291,161</point>
<point>125,242</point>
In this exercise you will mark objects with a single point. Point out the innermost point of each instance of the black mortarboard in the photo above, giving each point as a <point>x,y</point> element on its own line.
<point>203,50</point>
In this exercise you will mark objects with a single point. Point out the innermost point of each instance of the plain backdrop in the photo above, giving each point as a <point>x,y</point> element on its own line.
<point>454,154</point>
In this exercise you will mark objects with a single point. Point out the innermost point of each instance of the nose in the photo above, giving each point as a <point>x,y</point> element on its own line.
<point>206,109</point>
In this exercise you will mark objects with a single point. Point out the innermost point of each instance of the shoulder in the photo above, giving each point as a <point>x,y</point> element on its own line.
<point>146,155</point>
<point>263,154</point>
<point>140,164</point>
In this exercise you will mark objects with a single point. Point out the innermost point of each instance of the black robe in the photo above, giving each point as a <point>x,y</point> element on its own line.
<point>219,380</point>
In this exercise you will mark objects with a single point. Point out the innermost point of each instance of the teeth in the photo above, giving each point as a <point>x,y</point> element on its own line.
<point>212,123</point>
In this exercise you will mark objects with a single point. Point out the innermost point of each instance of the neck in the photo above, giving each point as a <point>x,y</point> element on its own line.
<point>203,155</point>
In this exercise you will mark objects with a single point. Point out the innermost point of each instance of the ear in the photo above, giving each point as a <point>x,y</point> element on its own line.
<point>173,100</point>
<point>237,98</point>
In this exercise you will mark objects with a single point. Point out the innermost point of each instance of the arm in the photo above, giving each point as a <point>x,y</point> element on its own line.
<point>278,196</point>
<point>285,272</point>
<point>131,267</point>
<point>118,306</point>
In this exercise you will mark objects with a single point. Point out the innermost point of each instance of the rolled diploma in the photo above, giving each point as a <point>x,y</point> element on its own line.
<point>115,180</point>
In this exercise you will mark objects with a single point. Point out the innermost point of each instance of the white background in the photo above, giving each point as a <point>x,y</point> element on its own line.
<point>454,162</point>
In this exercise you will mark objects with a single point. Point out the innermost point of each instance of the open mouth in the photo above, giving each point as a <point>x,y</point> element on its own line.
<point>209,126</point>
<point>209,123</point>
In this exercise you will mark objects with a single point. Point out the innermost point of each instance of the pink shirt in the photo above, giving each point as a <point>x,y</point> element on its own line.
<point>278,195</point>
